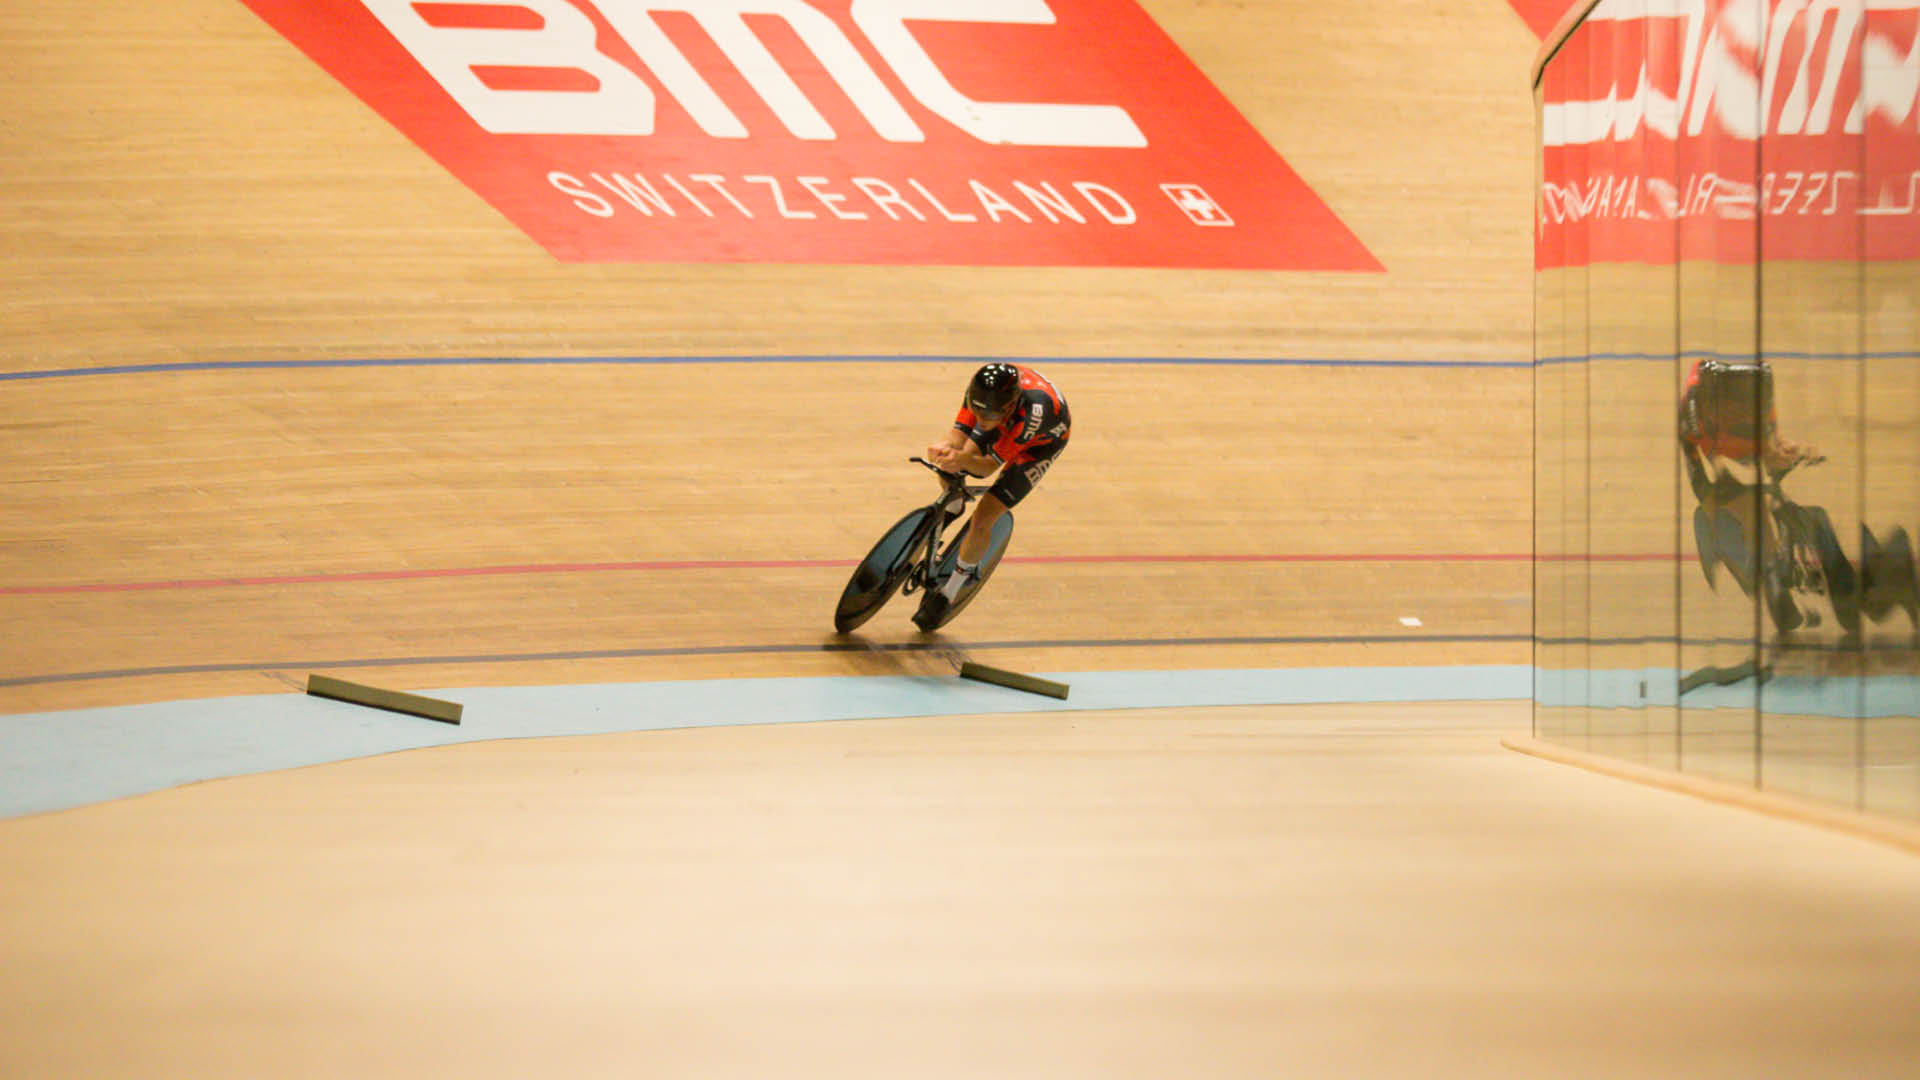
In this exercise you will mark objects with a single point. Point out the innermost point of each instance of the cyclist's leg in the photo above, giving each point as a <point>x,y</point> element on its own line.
<point>1016,482</point>
<point>973,546</point>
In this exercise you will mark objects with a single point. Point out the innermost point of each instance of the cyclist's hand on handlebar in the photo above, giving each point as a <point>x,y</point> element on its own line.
<point>943,456</point>
<point>1784,456</point>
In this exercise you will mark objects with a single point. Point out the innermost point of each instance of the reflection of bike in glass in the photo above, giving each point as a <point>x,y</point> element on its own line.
<point>1809,563</point>
<point>1888,576</point>
<point>1806,561</point>
<point>909,558</point>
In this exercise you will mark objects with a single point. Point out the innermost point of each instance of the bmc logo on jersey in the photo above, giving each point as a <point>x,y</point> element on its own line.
<point>1036,415</point>
<point>958,132</point>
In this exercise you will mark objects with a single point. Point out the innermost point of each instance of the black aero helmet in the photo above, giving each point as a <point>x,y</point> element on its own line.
<point>1755,375</point>
<point>993,390</point>
<point>1741,382</point>
<point>1734,397</point>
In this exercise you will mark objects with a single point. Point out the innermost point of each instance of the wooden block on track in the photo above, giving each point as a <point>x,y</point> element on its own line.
<point>1013,680</point>
<point>447,712</point>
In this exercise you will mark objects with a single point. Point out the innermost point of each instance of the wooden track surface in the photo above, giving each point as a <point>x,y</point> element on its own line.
<point>397,514</point>
<point>153,217</point>
<point>1248,892</point>
<point>1338,892</point>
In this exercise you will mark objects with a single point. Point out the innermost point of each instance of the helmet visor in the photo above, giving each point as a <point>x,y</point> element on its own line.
<point>990,413</point>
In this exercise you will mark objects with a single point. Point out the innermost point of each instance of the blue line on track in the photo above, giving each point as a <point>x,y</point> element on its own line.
<point>538,361</point>
<point>1709,354</point>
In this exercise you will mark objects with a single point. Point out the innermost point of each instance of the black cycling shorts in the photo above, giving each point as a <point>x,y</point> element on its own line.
<point>1017,480</point>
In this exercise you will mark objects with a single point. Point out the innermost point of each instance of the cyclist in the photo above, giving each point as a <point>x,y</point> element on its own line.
<point>1014,420</point>
<point>1727,421</point>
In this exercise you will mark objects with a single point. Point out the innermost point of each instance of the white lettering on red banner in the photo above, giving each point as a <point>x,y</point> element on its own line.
<point>879,131</point>
<point>1784,127</point>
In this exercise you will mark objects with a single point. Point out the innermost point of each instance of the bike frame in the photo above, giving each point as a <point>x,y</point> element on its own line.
<point>911,566</point>
<point>928,560</point>
<point>1809,552</point>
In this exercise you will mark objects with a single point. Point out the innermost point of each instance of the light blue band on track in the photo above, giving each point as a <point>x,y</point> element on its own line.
<point>58,760</point>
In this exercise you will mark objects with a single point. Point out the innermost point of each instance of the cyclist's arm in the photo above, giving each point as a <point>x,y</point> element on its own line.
<point>1782,454</point>
<point>963,456</point>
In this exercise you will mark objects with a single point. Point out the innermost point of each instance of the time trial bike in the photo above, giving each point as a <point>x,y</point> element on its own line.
<point>909,558</point>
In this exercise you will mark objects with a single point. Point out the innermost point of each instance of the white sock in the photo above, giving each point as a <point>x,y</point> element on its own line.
<point>961,573</point>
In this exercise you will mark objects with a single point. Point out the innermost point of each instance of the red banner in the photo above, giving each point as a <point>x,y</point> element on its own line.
<point>1730,130</point>
<point>961,132</point>
<point>1541,16</point>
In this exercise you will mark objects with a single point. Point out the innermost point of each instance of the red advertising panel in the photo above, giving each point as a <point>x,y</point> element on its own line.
<point>959,132</point>
<point>1783,129</point>
<point>1541,16</point>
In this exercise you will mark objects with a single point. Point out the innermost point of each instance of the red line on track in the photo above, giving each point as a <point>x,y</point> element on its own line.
<point>768,564</point>
<point>415,575</point>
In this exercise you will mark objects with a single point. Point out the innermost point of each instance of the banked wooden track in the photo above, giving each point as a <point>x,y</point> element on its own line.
<point>1297,891</point>
<point>185,188</point>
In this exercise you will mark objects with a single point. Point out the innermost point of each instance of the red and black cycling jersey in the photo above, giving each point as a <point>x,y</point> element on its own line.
<point>1035,427</point>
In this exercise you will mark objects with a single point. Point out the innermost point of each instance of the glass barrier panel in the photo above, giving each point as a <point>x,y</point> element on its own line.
<point>1562,417</point>
<point>1890,329</point>
<point>1717,178</point>
<point>1633,310</point>
<point>1810,251</point>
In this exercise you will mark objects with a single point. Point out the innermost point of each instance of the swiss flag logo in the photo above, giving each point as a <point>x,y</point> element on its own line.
<point>1200,207</point>
<point>930,132</point>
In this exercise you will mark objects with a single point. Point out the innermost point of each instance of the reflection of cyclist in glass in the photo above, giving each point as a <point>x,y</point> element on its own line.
<point>1728,427</point>
<point>1727,423</point>
<point>1012,417</point>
